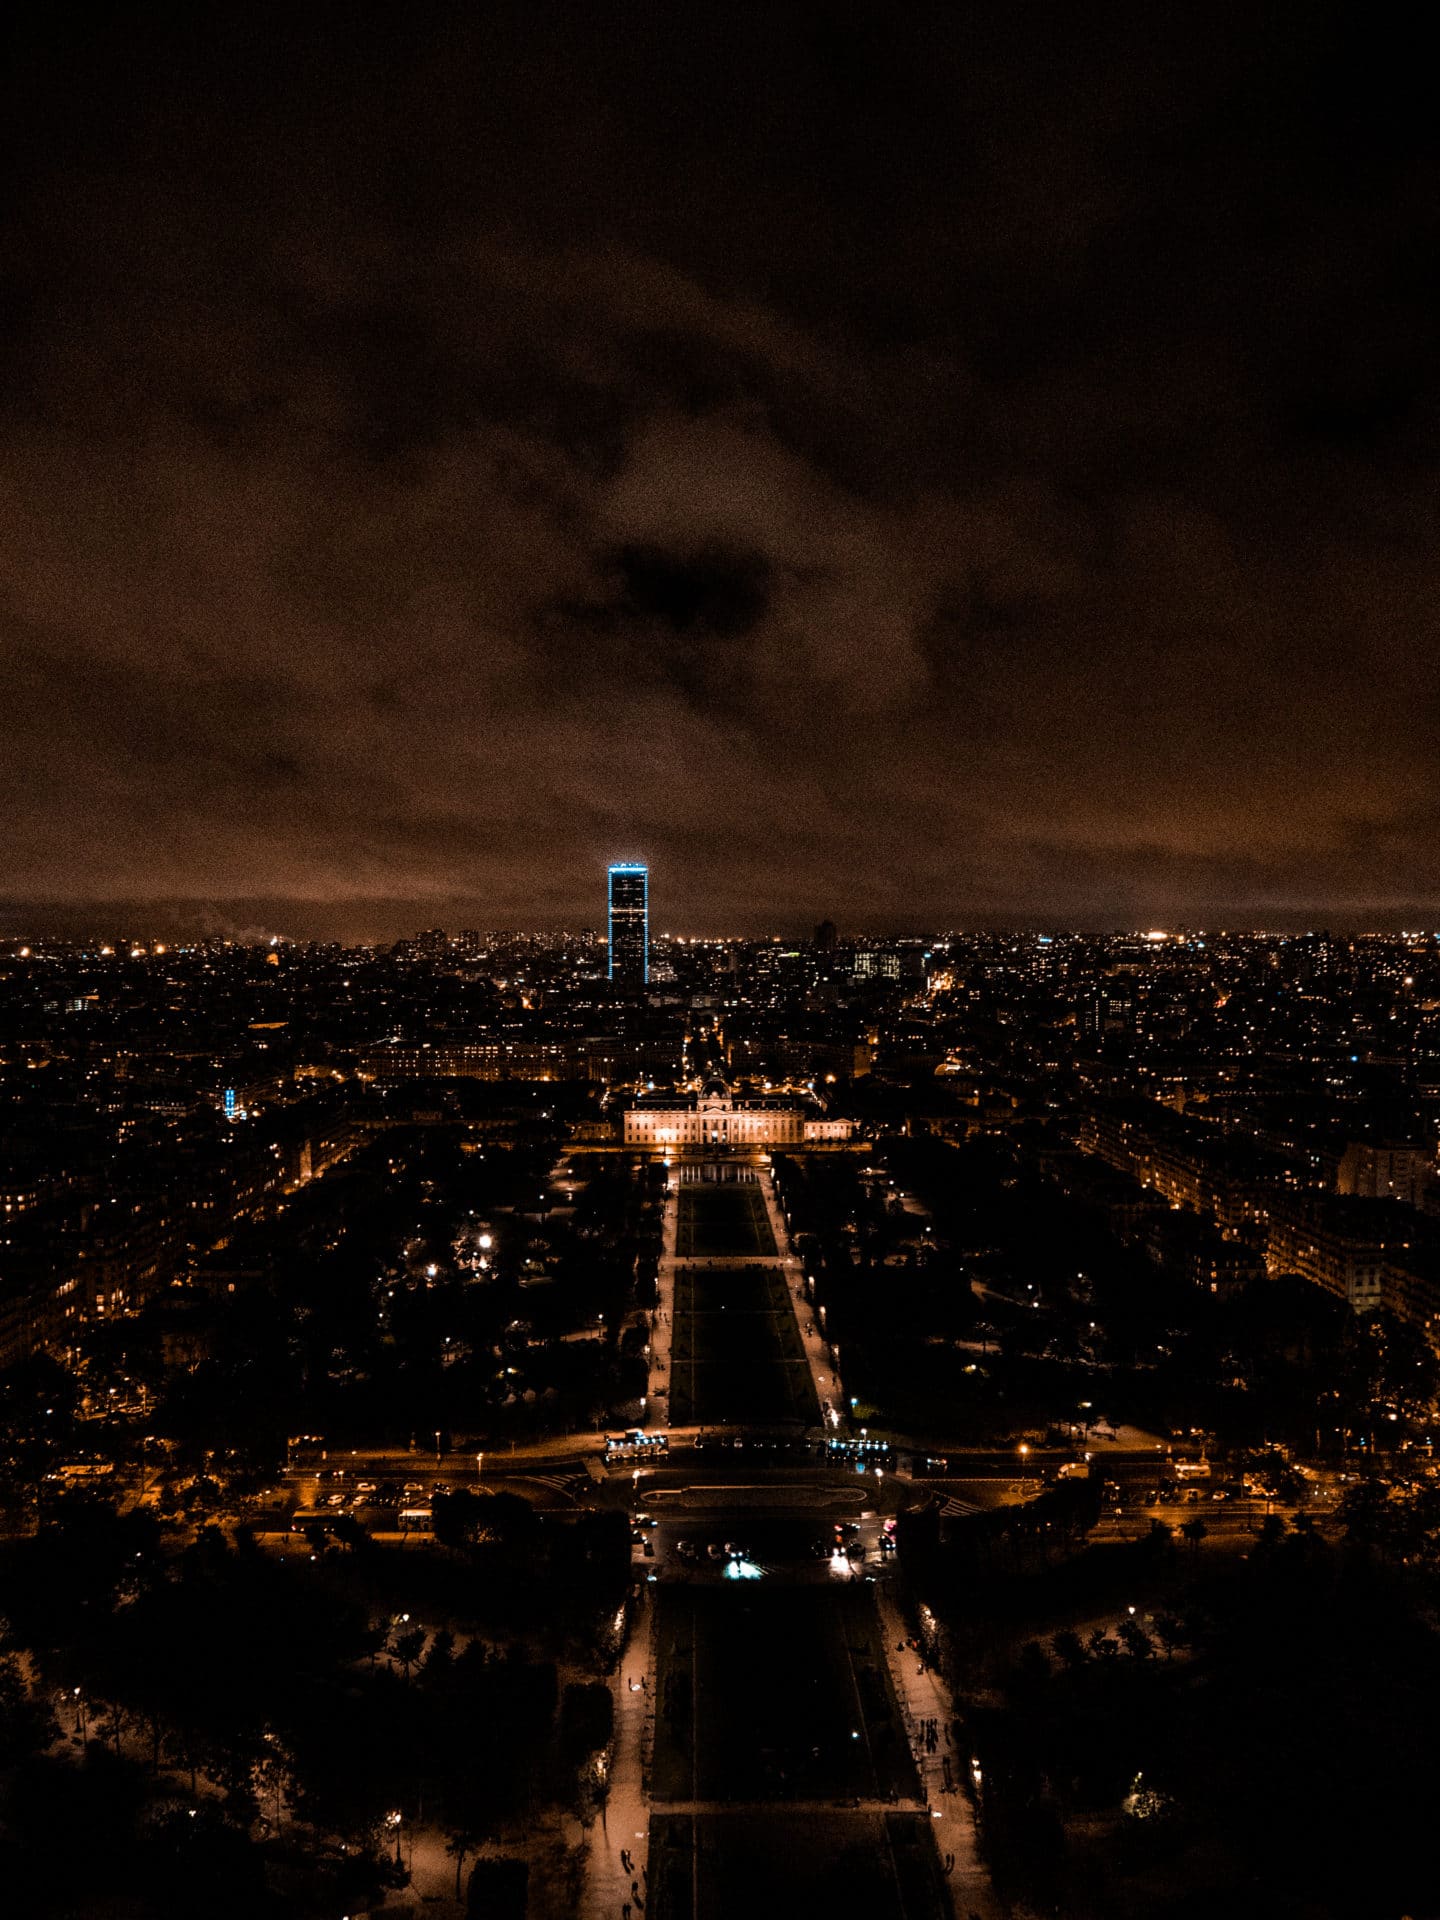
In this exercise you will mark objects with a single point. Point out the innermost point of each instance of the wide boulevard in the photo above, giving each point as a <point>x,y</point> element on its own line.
<point>777,1711</point>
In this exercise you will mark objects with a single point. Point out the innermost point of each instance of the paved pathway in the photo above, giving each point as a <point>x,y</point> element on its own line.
<point>662,1320</point>
<point>625,1826</point>
<point>922,1697</point>
<point>824,1375</point>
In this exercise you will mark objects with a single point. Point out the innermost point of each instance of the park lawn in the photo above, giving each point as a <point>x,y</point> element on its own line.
<point>723,1223</point>
<point>774,1692</point>
<point>736,1355</point>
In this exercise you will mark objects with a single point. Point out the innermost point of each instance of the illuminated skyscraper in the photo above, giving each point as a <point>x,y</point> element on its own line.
<point>629,924</point>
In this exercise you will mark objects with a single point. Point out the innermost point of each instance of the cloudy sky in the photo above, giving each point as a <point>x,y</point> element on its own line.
<point>926,466</point>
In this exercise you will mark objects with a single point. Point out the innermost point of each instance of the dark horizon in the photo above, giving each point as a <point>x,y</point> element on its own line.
<point>377,923</point>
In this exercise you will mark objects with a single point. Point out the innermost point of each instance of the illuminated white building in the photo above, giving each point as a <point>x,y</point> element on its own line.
<point>714,1119</point>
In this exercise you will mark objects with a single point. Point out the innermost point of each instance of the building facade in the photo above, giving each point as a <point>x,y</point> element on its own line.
<point>629,925</point>
<point>1389,1171</point>
<point>713,1119</point>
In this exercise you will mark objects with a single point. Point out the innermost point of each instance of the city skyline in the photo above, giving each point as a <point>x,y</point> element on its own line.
<point>381,923</point>
<point>684,1385</point>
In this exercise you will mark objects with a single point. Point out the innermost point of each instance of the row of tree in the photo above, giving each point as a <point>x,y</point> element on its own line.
<point>293,1728</point>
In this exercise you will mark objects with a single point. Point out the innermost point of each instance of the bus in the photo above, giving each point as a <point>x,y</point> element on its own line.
<point>635,1444</point>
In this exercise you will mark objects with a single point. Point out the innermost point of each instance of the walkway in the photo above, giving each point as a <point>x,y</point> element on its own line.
<point>824,1375</point>
<point>922,1698</point>
<point>624,1825</point>
<point>662,1320</point>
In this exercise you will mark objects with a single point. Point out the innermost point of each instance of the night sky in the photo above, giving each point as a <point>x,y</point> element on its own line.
<point>927,466</point>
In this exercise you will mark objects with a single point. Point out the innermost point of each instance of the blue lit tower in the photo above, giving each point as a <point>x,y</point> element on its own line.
<point>629,924</point>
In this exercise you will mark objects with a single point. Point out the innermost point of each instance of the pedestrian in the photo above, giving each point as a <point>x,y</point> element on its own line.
<point>634,1889</point>
<point>625,1911</point>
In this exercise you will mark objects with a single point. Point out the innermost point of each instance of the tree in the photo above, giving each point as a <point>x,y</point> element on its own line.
<point>440,1658</point>
<point>510,1519</point>
<point>458,1517</point>
<point>407,1647</point>
<point>114,1723</point>
<point>1194,1531</point>
<point>1272,1530</point>
<point>1170,1632</point>
<point>1069,1649</point>
<point>498,1889</point>
<point>1367,1516</point>
<point>23,1726</point>
<point>587,1720</point>
<point>1135,1640</point>
<point>350,1532</point>
<point>464,1840</point>
<point>1032,1668</point>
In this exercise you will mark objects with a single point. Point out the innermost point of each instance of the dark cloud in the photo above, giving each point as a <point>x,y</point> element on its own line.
<point>708,593</point>
<point>972,463</point>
